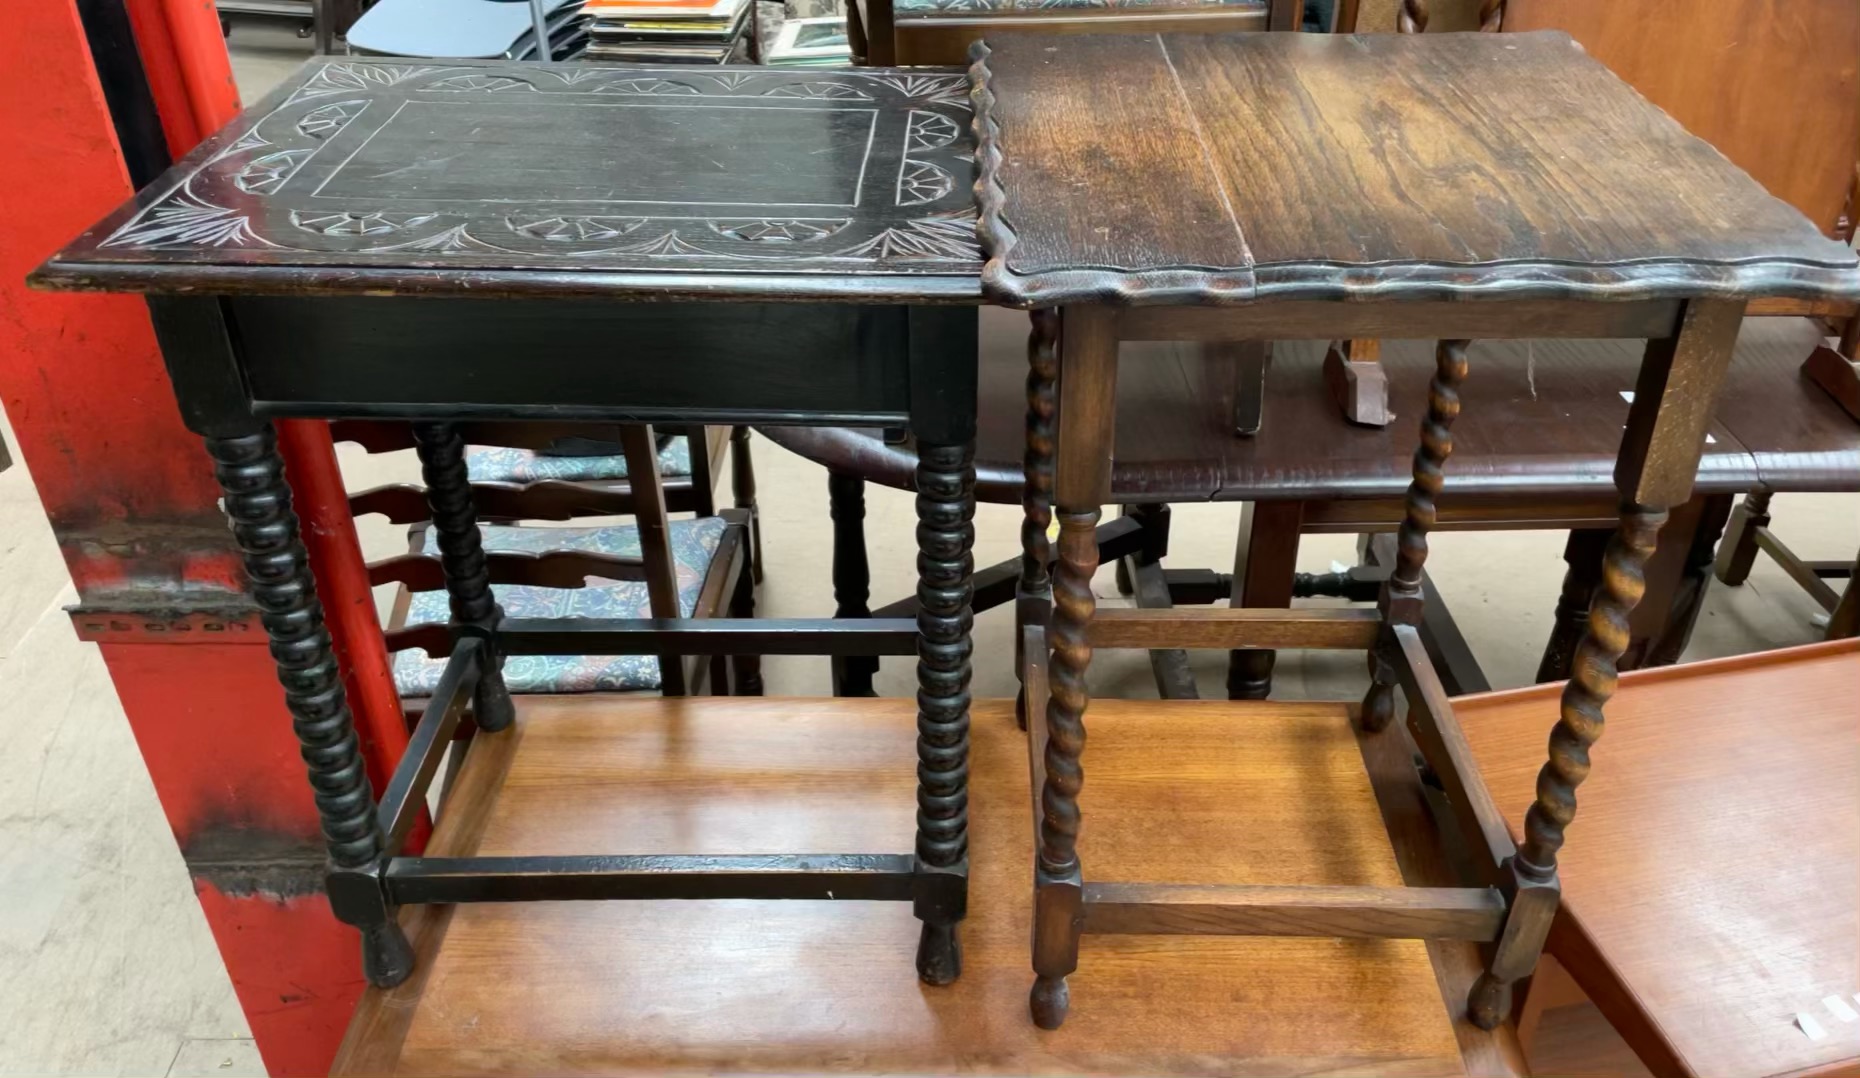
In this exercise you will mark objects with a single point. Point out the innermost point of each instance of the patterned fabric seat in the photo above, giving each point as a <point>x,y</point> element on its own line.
<point>497,464</point>
<point>693,543</point>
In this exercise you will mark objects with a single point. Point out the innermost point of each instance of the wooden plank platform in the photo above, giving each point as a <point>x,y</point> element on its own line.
<point>1709,881</point>
<point>1209,793</point>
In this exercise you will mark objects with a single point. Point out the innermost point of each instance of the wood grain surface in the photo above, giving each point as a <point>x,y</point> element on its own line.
<point>657,987</point>
<point>1709,882</point>
<point>1184,169</point>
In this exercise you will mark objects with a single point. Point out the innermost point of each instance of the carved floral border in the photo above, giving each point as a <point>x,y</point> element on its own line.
<point>219,205</point>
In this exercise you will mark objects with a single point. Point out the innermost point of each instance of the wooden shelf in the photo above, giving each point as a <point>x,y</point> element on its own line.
<point>1709,880</point>
<point>1211,793</point>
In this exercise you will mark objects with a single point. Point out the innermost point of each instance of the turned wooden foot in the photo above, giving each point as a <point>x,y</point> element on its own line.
<point>1489,1001</point>
<point>1049,1001</point>
<point>939,954</point>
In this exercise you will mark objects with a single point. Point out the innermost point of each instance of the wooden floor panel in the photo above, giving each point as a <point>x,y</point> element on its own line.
<point>1211,792</point>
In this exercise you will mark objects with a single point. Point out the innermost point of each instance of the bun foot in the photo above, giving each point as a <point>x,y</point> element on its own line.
<point>387,957</point>
<point>1378,707</point>
<point>1049,1001</point>
<point>1489,1002</point>
<point>939,955</point>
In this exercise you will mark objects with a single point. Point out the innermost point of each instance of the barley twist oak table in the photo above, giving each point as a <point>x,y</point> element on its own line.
<point>1473,186</point>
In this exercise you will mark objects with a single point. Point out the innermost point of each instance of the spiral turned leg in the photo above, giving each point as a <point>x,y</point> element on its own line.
<point>1402,596</point>
<point>945,565</point>
<point>258,504</point>
<point>1034,595</point>
<point>1591,683</point>
<point>461,554</point>
<point>1057,876</point>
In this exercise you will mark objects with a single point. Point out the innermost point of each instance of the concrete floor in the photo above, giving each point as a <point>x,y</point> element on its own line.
<point>109,966</point>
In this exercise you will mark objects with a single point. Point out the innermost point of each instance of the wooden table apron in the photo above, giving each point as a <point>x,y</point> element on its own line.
<point>736,245</point>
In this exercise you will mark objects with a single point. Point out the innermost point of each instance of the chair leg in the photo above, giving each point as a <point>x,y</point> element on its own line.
<point>1582,553</point>
<point>1265,572</point>
<point>743,494</point>
<point>945,565</point>
<point>852,578</point>
<point>747,669</point>
<point>461,555</point>
<point>1845,621</point>
<point>258,504</point>
<point>1737,553</point>
<point>1669,614</point>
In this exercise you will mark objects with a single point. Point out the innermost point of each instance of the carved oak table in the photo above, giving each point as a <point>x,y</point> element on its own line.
<point>1262,187</point>
<point>493,240</point>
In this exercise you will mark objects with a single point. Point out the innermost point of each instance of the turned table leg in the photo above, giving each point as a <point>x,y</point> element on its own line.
<point>852,578</point>
<point>945,563</point>
<point>1082,484</point>
<point>1034,594</point>
<point>1673,401</point>
<point>1401,601</point>
<point>461,555</point>
<point>258,504</point>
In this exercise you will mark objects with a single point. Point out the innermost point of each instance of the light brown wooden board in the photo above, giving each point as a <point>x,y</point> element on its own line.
<point>1193,792</point>
<point>1712,865</point>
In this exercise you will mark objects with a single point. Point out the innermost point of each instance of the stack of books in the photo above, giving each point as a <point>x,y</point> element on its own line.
<point>468,29</point>
<point>668,31</point>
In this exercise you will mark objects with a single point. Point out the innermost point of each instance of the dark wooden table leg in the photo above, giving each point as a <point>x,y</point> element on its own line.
<point>944,362</point>
<point>1265,575</point>
<point>461,554</point>
<point>743,493</point>
<point>1845,621</point>
<point>1403,600</point>
<point>1667,614</point>
<point>1250,359</point>
<point>852,578</point>
<point>1673,401</point>
<point>1082,484</point>
<point>1033,600</point>
<point>945,564</point>
<point>1737,552</point>
<point>1582,553</point>
<point>258,503</point>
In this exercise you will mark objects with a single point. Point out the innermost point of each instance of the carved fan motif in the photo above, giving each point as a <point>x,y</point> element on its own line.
<point>346,78</point>
<point>572,229</point>
<point>773,231</point>
<point>325,120</point>
<point>650,87</point>
<point>488,83</point>
<point>268,173</point>
<point>345,223</point>
<point>188,221</point>
<point>931,130</point>
<point>927,87</point>
<point>826,91</point>
<point>920,182</point>
<point>950,236</point>
<point>667,244</point>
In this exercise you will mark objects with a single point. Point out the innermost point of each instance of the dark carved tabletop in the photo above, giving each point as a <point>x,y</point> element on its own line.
<point>488,177</point>
<point>1197,168</point>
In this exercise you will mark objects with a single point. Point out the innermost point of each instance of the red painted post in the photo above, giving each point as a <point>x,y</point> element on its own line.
<point>134,507</point>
